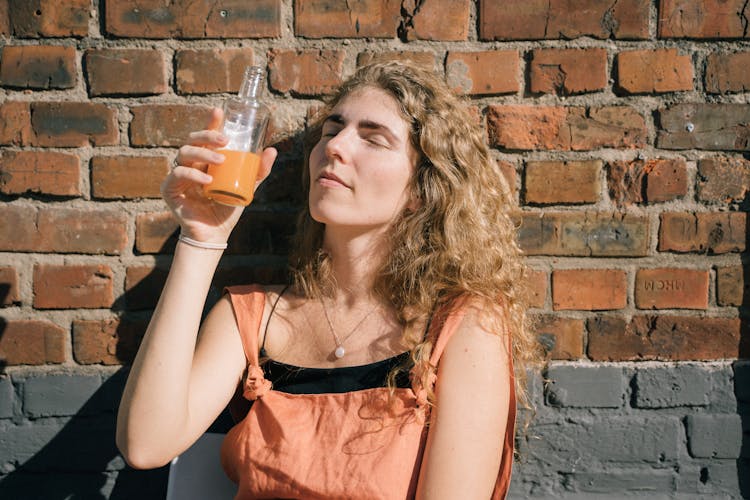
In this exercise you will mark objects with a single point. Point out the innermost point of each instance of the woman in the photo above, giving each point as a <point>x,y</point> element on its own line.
<point>405,257</point>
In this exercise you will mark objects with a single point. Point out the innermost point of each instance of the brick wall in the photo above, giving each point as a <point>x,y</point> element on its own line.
<point>624,127</point>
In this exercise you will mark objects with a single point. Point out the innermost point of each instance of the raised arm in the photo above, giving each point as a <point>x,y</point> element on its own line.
<point>181,378</point>
<point>467,427</point>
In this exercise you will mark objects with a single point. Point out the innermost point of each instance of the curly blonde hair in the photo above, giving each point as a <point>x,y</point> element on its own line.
<point>458,242</point>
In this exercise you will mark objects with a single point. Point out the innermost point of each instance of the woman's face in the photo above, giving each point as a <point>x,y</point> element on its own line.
<point>361,168</point>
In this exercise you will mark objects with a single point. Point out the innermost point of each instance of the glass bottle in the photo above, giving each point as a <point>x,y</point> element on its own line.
<point>245,123</point>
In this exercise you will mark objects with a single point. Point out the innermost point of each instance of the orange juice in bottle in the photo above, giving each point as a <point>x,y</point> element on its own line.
<point>245,122</point>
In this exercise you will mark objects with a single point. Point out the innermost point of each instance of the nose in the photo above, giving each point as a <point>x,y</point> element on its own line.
<point>338,146</point>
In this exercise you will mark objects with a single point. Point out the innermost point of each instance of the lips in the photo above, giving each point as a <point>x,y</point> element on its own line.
<point>329,178</point>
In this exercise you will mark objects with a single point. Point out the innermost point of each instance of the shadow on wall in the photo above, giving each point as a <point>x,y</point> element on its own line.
<point>72,455</point>
<point>741,367</point>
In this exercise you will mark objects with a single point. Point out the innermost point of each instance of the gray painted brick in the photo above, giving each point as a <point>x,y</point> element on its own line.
<point>7,396</point>
<point>723,476</point>
<point>621,480</point>
<point>667,387</point>
<point>714,436</point>
<point>742,381</point>
<point>19,443</point>
<point>585,387</point>
<point>58,395</point>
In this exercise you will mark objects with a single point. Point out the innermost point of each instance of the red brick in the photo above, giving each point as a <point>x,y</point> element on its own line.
<point>488,72</point>
<point>143,286</point>
<point>728,72</point>
<point>4,18</point>
<point>723,180</point>
<point>126,72</point>
<point>73,124</point>
<point>211,71</point>
<point>156,232</point>
<point>342,19</point>
<point>524,127</point>
<point>62,230</point>
<point>44,172</point>
<point>731,286</point>
<point>72,286</point>
<point>647,181</point>
<point>166,124</point>
<point>190,19</point>
<point>124,177</point>
<point>595,234</point>
<point>654,71</point>
<point>508,171</point>
<point>671,288</point>
<point>38,67</point>
<point>667,338</point>
<point>563,335</point>
<point>50,18</point>
<point>436,20</point>
<point>310,72</point>
<point>15,124</point>
<point>9,294</point>
<point>419,58</point>
<point>554,182</point>
<point>561,19</point>
<point>705,232</point>
<point>537,281</point>
<point>568,71</point>
<point>32,342</point>
<point>704,126</point>
<point>705,19</point>
<point>589,289</point>
<point>107,342</point>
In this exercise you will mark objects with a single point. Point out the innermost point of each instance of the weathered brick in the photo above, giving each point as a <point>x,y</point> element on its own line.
<point>44,172</point>
<point>711,232</point>
<point>670,387</point>
<point>565,128</point>
<point>715,436</point>
<point>508,171</point>
<point>305,72</point>
<point>7,398</point>
<point>584,234</point>
<point>15,124</point>
<point>705,126</point>
<point>585,386</point>
<point>554,182</point>
<point>545,20</point>
<point>589,289</point>
<point>189,19</point>
<point>58,394</point>
<point>9,294</point>
<point>126,72</point>
<point>654,71</point>
<point>5,28</point>
<point>32,342</point>
<point>568,71</point>
<point>419,58</point>
<point>705,19</point>
<point>728,72</point>
<point>73,124</point>
<point>143,285</point>
<point>647,181</point>
<point>155,232</point>
<point>668,338</point>
<point>122,177</point>
<point>537,286</point>
<point>108,342</point>
<point>49,18</point>
<point>723,179</point>
<point>671,288</point>
<point>731,286</point>
<point>166,124</point>
<point>38,67</point>
<point>436,20</point>
<point>618,481</point>
<point>62,230</point>
<point>341,19</point>
<point>561,337</point>
<point>211,71</point>
<point>72,287</point>
<point>487,72</point>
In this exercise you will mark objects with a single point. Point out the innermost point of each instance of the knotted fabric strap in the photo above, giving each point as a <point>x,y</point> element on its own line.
<point>248,303</point>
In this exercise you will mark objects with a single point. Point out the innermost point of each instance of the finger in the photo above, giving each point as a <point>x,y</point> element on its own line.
<point>208,138</point>
<point>216,119</point>
<point>267,157</point>
<point>191,174</point>
<point>191,155</point>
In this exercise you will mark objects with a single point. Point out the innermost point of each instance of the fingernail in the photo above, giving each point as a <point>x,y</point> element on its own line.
<point>223,138</point>
<point>218,158</point>
<point>207,177</point>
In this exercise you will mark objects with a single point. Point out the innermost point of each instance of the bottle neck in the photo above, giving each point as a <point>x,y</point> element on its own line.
<point>250,89</point>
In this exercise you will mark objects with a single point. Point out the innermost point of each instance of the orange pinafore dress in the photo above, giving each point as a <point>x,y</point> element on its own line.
<point>364,444</point>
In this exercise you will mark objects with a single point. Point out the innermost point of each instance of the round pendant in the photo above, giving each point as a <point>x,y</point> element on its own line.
<point>339,352</point>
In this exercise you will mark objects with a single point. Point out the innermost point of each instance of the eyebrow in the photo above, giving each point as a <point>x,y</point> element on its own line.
<point>366,124</point>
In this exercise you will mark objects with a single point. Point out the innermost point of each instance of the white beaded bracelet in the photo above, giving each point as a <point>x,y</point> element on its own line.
<point>201,244</point>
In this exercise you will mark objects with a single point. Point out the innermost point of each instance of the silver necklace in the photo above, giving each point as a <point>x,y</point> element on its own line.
<point>339,352</point>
